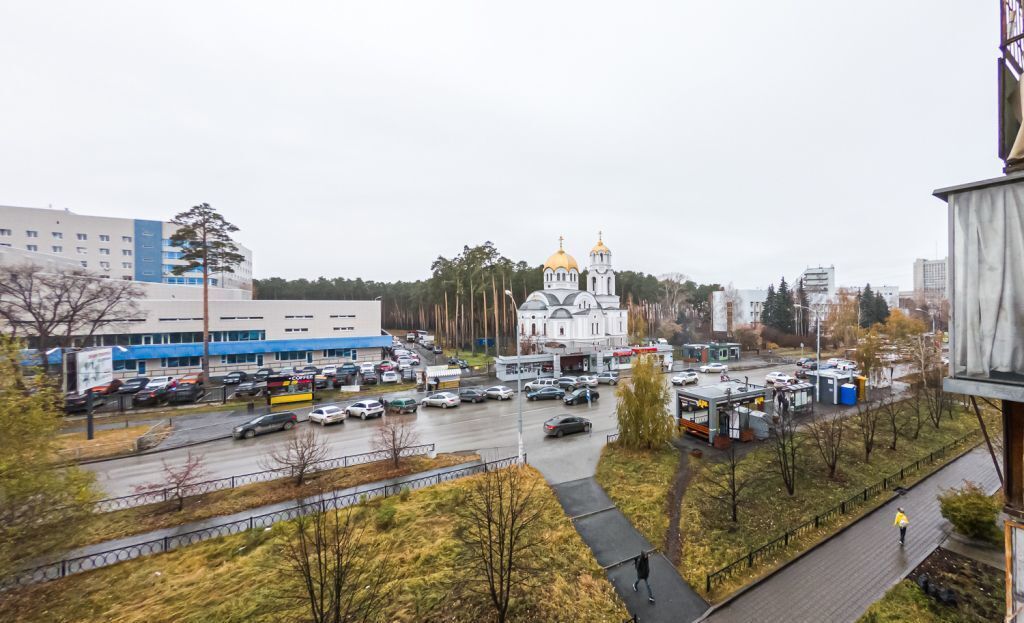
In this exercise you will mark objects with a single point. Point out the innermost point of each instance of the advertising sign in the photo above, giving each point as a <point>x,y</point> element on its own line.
<point>93,368</point>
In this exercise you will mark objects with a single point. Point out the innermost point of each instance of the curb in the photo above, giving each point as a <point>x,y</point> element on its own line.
<point>739,592</point>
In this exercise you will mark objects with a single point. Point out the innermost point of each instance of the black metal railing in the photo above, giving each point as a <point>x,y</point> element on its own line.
<point>852,503</point>
<point>611,437</point>
<point>230,482</point>
<point>69,566</point>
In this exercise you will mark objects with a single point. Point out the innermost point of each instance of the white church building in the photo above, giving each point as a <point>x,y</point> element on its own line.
<point>570,326</point>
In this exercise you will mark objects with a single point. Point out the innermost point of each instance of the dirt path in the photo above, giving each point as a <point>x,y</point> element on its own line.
<point>673,542</point>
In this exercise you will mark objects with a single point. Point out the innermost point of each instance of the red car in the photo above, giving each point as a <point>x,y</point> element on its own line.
<point>109,388</point>
<point>385,366</point>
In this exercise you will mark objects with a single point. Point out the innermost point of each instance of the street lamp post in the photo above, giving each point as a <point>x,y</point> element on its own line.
<point>817,356</point>
<point>519,378</point>
<point>930,313</point>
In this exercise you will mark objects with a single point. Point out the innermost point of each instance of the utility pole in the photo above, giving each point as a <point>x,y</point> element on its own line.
<point>817,357</point>
<point>519,379</point>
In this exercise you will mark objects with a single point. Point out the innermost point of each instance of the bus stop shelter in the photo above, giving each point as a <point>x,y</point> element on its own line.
<point>438,378</point>
<point>710,412</point>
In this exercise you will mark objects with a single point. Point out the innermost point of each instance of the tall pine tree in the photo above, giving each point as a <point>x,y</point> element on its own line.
<point>881,309</point>
<point>768,311</point>
<point>784,308</point>
<point>805,314</point>
<point>866,305</point>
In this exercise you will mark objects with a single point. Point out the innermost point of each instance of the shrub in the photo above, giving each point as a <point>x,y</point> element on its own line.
<point>385,518</point>
<point>404,494</point>
<point>971,511</point>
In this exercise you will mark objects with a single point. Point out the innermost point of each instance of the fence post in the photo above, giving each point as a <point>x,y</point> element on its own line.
<point>64,568</point>
<point>901,473</point>
<point>250,522</point>
<point>344,461</point>
<point>842,507</point>
<point>232,482</point>
<point>865,495</point>
<point>167,544</point>
<point>708,580</point>
<point>815,521</point>
<point>785,538</point>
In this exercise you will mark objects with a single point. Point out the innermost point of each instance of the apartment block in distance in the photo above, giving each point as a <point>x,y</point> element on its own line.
<point>117,248</point>
<point>930,279</point>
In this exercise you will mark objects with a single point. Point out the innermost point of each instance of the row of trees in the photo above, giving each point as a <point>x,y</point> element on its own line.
<point>779,311</point>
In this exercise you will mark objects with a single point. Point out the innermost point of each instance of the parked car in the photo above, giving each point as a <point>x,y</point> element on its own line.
<point>161,382</point>
<point>685,378</point>
<point>499,392</point>
<point>348,369</point>
<point>563,424</point>
<point>148,397</point>
<point>80,402</point>
<point>714,367</point>
<point>472,394</point>
<point>331,370</point>
<point>307,370</point>
<point>389,377</point>
<point>608,378</point>
<point>568,383</point>
<point>536,384</point>
<point>108,388</point>
<point>455,362</point>
<point>269,423</point>
<point>401,352</point>
<point>800,373</point>
<point>408,375</point>
<point>327,414</point>
<point>402,405</point>
<point>235,377</point>
<point>441,399</point>
<point>588,380</point>
<point>262,374</point>
<point>437,350</point>
<point>804,361</point>
<point>320,381</point>
<point>545,393</point>
<point>780,378</point>
<point>582,394</point>
<point>369,378</point>
<point>367,366</point>
<point>364,409</point>
<point>133,385</point>
<point>405,362</point>
<point>410,337</point>
<point>251,387</point>
<point>847,365</point>
<point>183,393</point>
<point>385,366</point>
<point>191,377</point>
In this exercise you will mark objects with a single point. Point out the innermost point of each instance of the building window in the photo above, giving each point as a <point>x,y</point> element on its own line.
<point>126,264</point>
<point>297,330</point>
<point>126,252</point>
<point>82,236</point>
<point>148,273</point>
<point>104,251</point>
<point>105,265</point>
<point>5,232</point>
<point>295,355</point>
<point>126,277</point>
<point>126,364</point>
<point>85,264</point>
<point>561,330</point>
<point>57,235</point>
<point>147,233</point>
<point>343,315</point>
<point>57,248</point>
<point>344,328</point>
<point>126,238</point>
<point>179,362</point>
<point>147,259</point>
<point>80,250</point>
<point>237,359</point>
<point>31,233</point>
<point>104,238</point>
<point>32,247</point>
<point>300,316</point>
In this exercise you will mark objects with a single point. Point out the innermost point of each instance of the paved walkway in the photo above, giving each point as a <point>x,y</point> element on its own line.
<point>839,580</point>
<point>615,542</point>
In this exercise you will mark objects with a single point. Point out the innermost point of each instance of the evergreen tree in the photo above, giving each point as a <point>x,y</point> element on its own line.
<point>866,305</point>
<point>805,314</point>
<point>784,308</point>
<point>881,309</point>
<point>768,311</point>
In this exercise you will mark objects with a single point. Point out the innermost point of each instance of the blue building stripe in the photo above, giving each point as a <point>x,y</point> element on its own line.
<point>148,250</point>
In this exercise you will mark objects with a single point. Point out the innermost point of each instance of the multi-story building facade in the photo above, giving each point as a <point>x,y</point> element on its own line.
<point>819,284</point>
<point>118,248</point>
<point>733,308</point>
<point>930,279</point>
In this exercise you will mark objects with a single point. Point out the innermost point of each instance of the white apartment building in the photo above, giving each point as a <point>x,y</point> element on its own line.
<point>118,248</point>
<point>930,278</point>
<point>733,308</point>
<point>820,285</point>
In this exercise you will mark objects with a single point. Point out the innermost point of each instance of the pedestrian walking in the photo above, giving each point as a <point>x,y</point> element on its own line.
<point>643,571</point>
<point>901,522</point>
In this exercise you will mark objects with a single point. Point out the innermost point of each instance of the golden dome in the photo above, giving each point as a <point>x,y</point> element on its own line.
<point>599,247</point>
<point>561,259</point>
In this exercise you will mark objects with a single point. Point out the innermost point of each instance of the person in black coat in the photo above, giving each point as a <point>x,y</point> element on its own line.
<point>642,564</point>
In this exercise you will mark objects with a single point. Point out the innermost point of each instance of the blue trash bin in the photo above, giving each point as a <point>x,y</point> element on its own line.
<point>848,394</point>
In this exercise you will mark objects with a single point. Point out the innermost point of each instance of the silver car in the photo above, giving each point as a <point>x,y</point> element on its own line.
<point>608,378</point>
<point>586,380</point>
<point>499,392</point>
<point>441,399</point>
<point>364,409</point>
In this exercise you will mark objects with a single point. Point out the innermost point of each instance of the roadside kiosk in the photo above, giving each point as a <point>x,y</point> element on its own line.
<point>440,378</point>
<point>285,388</point>
<point>710,411</point>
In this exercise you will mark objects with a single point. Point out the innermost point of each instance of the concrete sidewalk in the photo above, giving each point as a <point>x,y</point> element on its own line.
<point>839,579</point>
<point>615,542</point>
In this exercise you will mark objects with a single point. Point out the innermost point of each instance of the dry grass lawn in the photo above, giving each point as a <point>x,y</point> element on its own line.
<point>106,442</point>
<point>638,482</point>
<point>240,579</point>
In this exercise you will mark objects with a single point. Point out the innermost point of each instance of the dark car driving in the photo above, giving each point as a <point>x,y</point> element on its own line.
<point>581,395</point>
<point>236,377</point>
<point>564,424</point>
<point>568,383</point>
<point>272,422</point>
<point>472,394</point>
<point>545,393</point>
<point>80,402</point>
<point>133,385</point>
<point>250,388</point>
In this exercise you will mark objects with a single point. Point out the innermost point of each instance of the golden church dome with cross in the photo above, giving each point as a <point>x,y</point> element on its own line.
<point>600,247</point>
<point>561,259</point>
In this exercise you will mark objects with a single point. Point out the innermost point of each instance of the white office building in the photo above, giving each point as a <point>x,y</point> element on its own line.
<point>732,308</point>
<point>930,279</point>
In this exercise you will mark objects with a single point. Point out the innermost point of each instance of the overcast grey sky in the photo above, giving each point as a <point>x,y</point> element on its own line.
<point>731,141</point>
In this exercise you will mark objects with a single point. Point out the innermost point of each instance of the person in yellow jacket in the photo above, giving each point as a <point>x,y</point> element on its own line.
<point>901,522</point>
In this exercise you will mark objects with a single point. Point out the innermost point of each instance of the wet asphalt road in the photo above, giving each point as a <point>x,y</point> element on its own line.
<point>489,428</point>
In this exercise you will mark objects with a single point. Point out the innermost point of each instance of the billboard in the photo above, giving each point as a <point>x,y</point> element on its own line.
<point>93,367</point>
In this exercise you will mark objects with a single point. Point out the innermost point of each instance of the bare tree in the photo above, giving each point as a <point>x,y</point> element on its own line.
<point>827,433</point>
<point>786,447</point>
<point>894,416</point>
<point>342,573</point>
<point>500,532</point>
<point>936,402</point>
<point>178,481</point>
<point>55,306</point>
<point>867,424</point>
<point>727,480</point>
<point>916,406</point>
<point>395,438</point>
<point>298,456</point>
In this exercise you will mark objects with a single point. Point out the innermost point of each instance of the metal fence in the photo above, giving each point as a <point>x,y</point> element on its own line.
<point>230,482</point>
<point>70,566</point>
<point>611,437</point>
<point>850,504</point>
